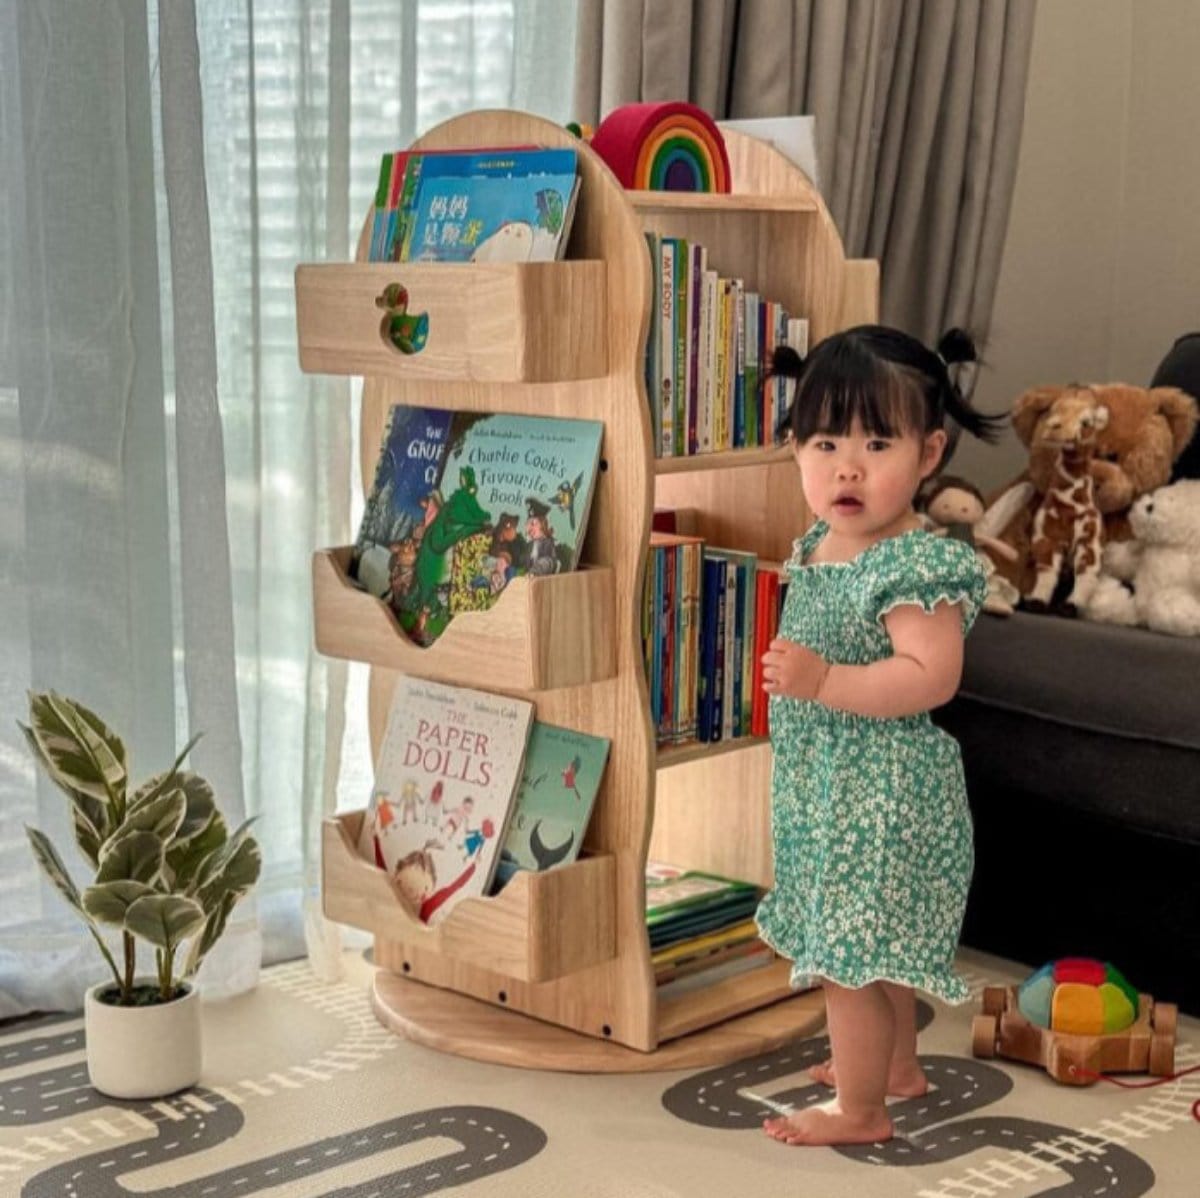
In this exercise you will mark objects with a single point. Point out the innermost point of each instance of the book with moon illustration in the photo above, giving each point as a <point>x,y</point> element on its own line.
<point>559,782</point>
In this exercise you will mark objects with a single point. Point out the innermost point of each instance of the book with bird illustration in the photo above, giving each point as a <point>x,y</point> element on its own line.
<point>559,782</point>
<point>445,783</point>
<point>464,502</point>
<point>517,491</point>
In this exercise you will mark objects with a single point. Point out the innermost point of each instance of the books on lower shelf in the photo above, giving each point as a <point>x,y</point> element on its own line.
<point>464,502</point>
<point>700,927</point>
<point>444,786</point>
<point>490,204</point>
<point>708,351</point>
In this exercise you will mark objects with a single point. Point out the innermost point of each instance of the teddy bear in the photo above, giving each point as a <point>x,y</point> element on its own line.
<point>1145,430</point>
<point>1162,562</point>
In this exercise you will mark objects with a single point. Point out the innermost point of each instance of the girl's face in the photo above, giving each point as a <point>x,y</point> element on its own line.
<point>862,484</point>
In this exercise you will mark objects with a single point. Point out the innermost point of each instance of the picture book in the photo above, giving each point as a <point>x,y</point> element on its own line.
<point>402,502</point>
<point>682,903</point>
<point>558,788</point>
<point>486,215</point>
<point>517,493</point>
<point>463,502</point>
<point>444,789</point>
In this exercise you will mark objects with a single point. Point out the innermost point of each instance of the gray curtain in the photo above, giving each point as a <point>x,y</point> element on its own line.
<point>918,106</point>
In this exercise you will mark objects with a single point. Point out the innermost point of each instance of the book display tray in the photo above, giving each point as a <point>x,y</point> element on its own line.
<point>555,971</point>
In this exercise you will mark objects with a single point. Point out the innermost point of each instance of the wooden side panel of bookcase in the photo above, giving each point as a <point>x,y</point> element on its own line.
<point>615,998</point>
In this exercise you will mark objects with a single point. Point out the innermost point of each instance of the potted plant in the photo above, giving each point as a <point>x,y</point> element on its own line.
<point>167,873</point>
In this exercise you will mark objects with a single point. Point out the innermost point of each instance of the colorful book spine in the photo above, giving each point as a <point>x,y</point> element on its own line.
<point>667,248</point>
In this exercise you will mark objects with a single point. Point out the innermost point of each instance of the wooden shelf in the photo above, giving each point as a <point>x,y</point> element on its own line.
<point>695,201</point>
<point>540,926</point>
<point>493,322</point>
<point>726,459</point>
<point>541,634</point>
<point>698,750</point>
<point>726,998</point>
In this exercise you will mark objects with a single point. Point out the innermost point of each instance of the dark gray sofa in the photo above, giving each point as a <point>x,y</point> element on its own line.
<point>1081,745</point>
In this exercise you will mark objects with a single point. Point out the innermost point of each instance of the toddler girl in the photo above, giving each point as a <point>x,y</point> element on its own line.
<point>871,830</point>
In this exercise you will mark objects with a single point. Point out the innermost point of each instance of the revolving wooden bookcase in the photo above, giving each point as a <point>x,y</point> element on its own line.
<point>555,972</point>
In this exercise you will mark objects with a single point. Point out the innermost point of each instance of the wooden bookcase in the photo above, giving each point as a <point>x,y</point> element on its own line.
<point>555,971</point>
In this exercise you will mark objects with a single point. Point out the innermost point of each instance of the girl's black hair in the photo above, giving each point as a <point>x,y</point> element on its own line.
<point>884,379</point>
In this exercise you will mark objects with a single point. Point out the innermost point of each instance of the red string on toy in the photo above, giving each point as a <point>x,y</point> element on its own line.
<point>1158,1081</point>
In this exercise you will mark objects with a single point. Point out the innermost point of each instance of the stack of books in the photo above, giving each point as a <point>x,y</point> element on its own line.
<point>708,615</point>
<point>485,205</point>
<point>708,352</point>
<point>701,928</point>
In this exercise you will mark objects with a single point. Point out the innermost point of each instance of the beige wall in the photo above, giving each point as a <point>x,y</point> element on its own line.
<point>1101,268</point>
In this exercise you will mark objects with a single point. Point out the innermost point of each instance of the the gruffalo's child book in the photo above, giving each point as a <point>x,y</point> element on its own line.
<point>403,501</point>
<point>558,788</point>
<point>444,789</point>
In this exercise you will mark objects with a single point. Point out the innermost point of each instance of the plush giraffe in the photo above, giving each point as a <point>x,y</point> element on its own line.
<point>1067,524</point>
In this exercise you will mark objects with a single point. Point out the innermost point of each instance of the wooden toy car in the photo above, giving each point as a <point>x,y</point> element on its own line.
<point>1147,1044</point>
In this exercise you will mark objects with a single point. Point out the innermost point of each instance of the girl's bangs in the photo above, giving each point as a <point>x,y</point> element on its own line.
<point>833,396</point>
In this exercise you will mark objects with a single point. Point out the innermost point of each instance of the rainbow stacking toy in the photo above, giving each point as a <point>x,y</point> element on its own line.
<point>663,147</point>
<point>1078,1018</point>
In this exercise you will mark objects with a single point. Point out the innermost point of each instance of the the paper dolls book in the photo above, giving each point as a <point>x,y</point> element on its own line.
<point>559,781</point>
<point>444,790</point>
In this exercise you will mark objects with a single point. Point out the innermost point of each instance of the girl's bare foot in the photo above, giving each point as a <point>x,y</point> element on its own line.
<point>904,1081</point>
<point>829,1124</point>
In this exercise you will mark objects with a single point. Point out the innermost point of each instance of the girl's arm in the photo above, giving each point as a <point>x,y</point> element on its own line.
<point>923,672</point>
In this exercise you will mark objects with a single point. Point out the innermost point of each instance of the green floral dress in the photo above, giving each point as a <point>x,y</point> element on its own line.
<point>869,816</point>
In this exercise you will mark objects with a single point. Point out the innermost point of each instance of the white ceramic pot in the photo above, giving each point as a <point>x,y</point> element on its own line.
<point>143,1052</point>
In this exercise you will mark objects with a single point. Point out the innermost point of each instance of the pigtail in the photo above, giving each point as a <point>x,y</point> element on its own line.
<point>957,349</point>
<point>786,363</point>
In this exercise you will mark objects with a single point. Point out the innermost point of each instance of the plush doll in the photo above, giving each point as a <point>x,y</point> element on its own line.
<point>1162,562</point>
<point>1146,430</point>
<point>954,507</point>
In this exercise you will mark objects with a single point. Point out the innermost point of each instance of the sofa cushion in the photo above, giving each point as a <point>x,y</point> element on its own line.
<point>1092,716</point>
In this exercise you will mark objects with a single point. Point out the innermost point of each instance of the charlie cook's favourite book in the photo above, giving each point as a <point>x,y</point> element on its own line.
<point>444,788</point>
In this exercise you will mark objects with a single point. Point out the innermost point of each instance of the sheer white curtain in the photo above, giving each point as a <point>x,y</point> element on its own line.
<point>165,469</point>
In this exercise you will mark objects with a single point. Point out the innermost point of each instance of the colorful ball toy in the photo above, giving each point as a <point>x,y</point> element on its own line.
<point>1078,1018</point>
<point>663,147</point>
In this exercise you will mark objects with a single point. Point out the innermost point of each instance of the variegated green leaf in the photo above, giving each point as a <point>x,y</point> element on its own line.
<point>214,926</point>
<point>236,875</point>
<point>215,863</point>
<point>164,919</point>
<point>184,860</point>
<point>86,836</point>
<point>155,786</point>
<point>162,816</point>
<point>53,867</point>
<point>110,901</point>
<point>78,747</point>
<point>50,861</point>
<point>133,856</point>
<point>94,814</point>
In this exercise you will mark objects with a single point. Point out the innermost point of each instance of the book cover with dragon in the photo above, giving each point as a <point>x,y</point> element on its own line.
<point>444,788</point>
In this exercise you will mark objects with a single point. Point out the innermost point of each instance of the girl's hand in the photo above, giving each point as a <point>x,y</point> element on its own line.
<point>793,670</point>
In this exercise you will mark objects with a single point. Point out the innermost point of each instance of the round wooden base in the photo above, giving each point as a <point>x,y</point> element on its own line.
<point>465,1027</point>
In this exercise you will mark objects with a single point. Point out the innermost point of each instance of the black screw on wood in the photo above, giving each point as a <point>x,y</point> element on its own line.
<point>606,1030</point>
<point>504,996</point>
<point>407,967</point>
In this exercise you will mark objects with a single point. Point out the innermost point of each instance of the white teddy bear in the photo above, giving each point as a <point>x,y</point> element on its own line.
<point>1162,563</point>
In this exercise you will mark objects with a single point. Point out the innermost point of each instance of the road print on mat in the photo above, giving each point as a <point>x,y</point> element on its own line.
<point>930,1129</point>
<point>104,1156</point>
